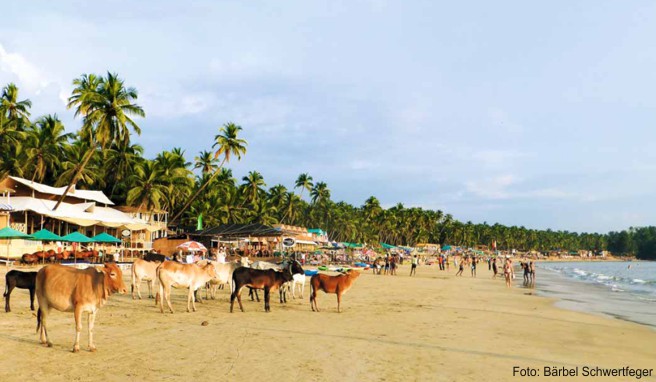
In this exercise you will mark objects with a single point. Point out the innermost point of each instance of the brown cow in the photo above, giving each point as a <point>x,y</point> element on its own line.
<point>174,274</point>
<point>143,270</point>
<point>29,259</point>
<point>331,284</point>
<point>75,290</point>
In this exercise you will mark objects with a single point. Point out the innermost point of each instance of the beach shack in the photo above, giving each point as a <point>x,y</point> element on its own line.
<point>31,208</point>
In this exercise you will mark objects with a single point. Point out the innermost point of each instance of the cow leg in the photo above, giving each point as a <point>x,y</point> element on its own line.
<point>302,289</point>
<point>78,328</point>
<point>138,288</point>
<point>167,296</point>
<point>92,320</point>
<point>42,314</point>
<point>238,292</point>
<point>313,300</point>
<point>150,288</point>
<point>9,288</point>
<point>339,300</point>
<point>32,291</point>
<point>190,299</point>
<point>267,297</point>
<point>232,299</point>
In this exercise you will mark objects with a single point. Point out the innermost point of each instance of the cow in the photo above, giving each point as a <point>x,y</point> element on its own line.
<point>29,259</point>
<point>331,284</point>
<point>75,290</point>
<point>223,275</point>
<point>260,279</point>
<point>18,279</point>
<point>154,257</point>
<point>143,270</point>
<point>299,279</point>
<point>174,274</point>
<point>298,270</point>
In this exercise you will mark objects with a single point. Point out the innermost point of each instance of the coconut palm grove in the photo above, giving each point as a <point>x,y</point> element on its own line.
<point>102,154</point>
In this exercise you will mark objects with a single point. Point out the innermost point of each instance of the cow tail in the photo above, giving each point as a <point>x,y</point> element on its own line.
<point>38,319</point>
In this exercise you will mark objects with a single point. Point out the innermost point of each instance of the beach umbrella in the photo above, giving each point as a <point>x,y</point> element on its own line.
<point>45,235</point>
<point>76,237</point>
<point>10,234</point>
<point>192,246</point>
<point>105,238</point>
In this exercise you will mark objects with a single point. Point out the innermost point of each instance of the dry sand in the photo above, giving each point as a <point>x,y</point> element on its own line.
<point>433,327</point>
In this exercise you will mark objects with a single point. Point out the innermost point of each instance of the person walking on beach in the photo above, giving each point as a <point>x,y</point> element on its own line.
<point>413,268</point>
<point>527,272</point>
<point>446,260</point>
<point>507,272</point>
<point>494,268</point>
<point>473,266</point>
<point>532,272</point>
<point>461,268</point>
<point>393,266</point>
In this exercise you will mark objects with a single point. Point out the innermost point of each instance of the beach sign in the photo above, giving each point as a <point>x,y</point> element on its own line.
<point>288,242</point>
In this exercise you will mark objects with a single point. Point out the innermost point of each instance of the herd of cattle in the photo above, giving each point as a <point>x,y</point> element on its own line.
<point>69,289</point>
<point>50,256</point>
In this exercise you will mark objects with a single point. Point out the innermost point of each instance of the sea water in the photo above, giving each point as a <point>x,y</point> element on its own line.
<point>625,290</point>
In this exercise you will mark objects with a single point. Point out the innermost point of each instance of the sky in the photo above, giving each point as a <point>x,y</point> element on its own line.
<point>535,114</point>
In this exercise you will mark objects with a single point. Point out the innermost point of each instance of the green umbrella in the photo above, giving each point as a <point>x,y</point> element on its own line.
<point>9,234</point>
<point>76,237</point>
<point>46,235</point>
<point>105,238</point>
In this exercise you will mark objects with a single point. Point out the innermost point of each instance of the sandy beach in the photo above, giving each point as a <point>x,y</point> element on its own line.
<point>433,327</point>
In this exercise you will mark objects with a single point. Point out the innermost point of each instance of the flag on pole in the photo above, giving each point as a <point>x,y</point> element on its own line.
<point>199,224</point>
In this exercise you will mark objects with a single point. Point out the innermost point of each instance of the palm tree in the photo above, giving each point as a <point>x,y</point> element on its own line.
<point>304,182</point>
<point>46,140</point>
<point>227,144</point>
<point>252,187</point>
<point>320,193</point>
<point>179,181</point>
<point>206,162</point>
<point>13,119</point>
<point>71,166</point>
<point>107,107</point>
<point>148,187</point>
<point>120,162</point>
<point>12,110</point>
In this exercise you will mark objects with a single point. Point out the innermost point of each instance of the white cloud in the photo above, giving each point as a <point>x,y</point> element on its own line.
<point>28,75</point>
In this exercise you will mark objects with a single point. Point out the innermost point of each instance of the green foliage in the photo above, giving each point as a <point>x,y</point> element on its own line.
<point>101,156</point>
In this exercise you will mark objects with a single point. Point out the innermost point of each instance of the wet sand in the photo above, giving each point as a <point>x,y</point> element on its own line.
<point>433,327</point>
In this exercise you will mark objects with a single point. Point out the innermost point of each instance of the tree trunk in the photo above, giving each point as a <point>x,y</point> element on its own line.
<point>195,195</point>
<point>74,180</point>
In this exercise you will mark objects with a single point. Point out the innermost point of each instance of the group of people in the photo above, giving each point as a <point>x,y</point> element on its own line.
<point>469,261</point>
<point>529,272</point>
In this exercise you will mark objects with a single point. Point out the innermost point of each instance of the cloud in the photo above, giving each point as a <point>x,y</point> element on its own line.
<point>28,75</point>
<point>505,187</point>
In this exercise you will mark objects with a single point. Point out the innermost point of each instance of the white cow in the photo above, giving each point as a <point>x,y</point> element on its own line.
<point>143,270</point>
<point>174,274</point>
<point>299,279</point>
<point>223,275</point>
